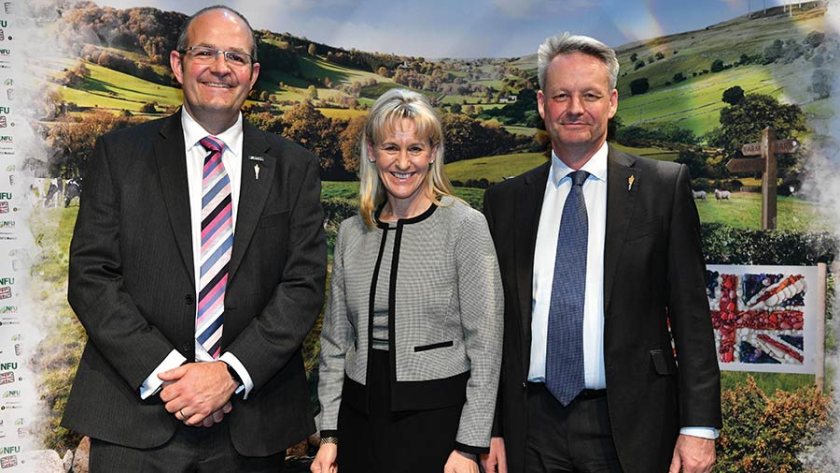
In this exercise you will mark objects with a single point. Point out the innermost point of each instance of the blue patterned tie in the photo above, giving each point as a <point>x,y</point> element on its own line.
<point>564,352</point>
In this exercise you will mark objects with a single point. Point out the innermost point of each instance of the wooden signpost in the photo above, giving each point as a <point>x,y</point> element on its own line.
<point>767,148</point>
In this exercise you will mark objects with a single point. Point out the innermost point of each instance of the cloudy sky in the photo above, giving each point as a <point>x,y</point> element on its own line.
<point>471,28</point>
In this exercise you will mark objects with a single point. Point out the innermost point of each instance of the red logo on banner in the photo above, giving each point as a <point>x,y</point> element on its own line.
<point>3,121</point>
<point>4,207</point>
<point>5,292</point>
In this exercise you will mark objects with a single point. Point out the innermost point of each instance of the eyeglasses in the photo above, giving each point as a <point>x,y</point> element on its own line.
<point>206,55</point>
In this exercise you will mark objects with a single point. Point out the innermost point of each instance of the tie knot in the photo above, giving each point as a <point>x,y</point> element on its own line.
<point>211,143</point>
<point>578,177</point>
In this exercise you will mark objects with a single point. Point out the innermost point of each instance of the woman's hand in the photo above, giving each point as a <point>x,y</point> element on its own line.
<point>324,461</point>
<point>459,462</point>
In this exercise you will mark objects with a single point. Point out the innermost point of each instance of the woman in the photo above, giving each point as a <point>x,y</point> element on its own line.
<point>411,343</point>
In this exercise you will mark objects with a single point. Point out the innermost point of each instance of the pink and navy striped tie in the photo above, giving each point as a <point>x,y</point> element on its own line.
<point>216,245</point>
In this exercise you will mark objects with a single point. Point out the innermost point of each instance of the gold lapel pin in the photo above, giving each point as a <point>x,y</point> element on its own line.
<point>630,181</point>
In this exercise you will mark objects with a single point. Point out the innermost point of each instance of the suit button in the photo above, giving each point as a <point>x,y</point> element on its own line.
<point>189,299</point>
<point>524,385</point>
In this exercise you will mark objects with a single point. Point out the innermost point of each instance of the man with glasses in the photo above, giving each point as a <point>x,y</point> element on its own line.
<point>197,267</point>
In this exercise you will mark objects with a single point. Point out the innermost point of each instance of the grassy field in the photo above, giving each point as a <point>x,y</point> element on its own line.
<point>493,168</point>
<point>695,104</point>
<point>105,88</point>
<point>744,211</point>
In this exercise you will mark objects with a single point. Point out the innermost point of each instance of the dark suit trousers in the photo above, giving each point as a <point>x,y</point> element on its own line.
<point>190,450</point>
<point>575,438</point>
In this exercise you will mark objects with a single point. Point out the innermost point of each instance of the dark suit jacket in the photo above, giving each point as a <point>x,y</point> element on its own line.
<point>132,286</point>
<point>653,275</point>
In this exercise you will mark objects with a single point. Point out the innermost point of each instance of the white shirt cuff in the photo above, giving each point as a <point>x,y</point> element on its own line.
<point>152,384</point>
<point>247,383</point>
<point>702,432</point>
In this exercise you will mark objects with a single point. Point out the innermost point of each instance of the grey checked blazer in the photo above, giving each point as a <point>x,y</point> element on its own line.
<point>445,326</point>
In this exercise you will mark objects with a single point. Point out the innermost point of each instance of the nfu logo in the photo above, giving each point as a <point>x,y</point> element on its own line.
<point>6,195</point>
<point>7,282</point>
<point>5,110</point>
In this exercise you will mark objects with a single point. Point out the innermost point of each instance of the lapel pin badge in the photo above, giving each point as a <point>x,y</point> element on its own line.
<point>257,160</point>
<point>630,181</point>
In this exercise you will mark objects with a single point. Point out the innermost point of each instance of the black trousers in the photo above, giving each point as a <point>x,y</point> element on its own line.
<point>190,450</point>
<point>575,438</point>
<point>383,441</point>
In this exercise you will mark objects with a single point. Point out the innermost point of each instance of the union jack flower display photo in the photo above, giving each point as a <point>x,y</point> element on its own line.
<point>759,317</point>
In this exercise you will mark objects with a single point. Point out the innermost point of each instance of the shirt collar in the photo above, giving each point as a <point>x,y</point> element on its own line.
<point>194,132</point>
<point>596,166</point>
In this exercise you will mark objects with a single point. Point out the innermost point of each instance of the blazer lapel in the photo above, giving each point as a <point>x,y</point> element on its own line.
<point>170,158</point>
<point>623,181</point>
<point>528,207</point>
<point>256,180</point>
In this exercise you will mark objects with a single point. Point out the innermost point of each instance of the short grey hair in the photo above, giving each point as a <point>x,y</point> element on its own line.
<point>567,43</point>
<point>182,37</point>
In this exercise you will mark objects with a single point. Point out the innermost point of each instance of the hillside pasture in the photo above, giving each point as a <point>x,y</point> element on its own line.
<point>743,210</point>
<point>109,89</point>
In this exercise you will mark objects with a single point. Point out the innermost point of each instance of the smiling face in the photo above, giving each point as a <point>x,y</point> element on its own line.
<point>576,104</point>
<point>214,92</point>
<point>402,160</point>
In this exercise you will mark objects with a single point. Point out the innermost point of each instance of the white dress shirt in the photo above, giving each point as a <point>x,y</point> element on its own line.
<point>232,161</point>
<point>595,196</point>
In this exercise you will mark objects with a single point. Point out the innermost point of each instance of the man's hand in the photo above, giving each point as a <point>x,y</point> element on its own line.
<point>495,461</point>
<point>195,391</point>
<point>693,455</point>
<point>217,416</point>
<point>460,463</point>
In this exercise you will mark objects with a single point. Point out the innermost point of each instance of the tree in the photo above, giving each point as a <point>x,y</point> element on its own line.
<point>733,95</point>
<point>305,125</point>
<point>638,65</point>
<point>743,122</point>
<point>774,51</point>
<point>74,140</point>
<point>639,86</point>
<point>717,65</point>
<point>679,77</point>
<point>695,159</point>
<point>821,81</point>
<point>634,57</point>
<point>350,138</point>
<point>814,38</point>
<point>659,55</point>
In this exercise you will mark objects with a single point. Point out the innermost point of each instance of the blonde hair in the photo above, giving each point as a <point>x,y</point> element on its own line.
<point>388,110</point>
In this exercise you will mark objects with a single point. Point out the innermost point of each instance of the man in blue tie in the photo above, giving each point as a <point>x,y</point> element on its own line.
<point>197,267</point>
<point>609,357</point>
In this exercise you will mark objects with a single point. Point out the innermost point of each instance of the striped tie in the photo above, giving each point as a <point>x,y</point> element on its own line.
<point>216,244</point>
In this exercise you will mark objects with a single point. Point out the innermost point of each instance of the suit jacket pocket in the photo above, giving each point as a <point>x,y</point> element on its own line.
<point>274,219</point>
<point>643,229</point>
<point>663,363</point>
<point>434,346</point>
